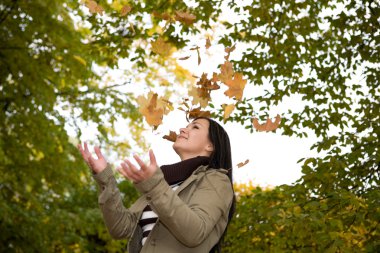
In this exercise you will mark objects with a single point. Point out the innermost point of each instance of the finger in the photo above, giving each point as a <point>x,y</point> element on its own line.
<point>129,173</point>
<point>152,158</point>
<point>82,152</point>
<point>122,172</point>
<point>98,152</point>
<point>139,161</point>
<point>136,172</point>
<point>86,147</point>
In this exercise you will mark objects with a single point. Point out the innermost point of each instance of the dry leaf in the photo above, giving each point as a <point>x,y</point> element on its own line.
<point>228,110</point>
<point>153,108</point>
<point>125,10</point>
<point>208,43</point>
<point>197,112</point>
<point>161,47</point>
<point>236,86</point>
<point>184,17</point>
<point>171,137</point>
<point>268,125</point>
<point>184,58</point>
<point>241,164</point>
<point>228,50</point>
<point>94,7</point>
<point>199,96</point>
<point>226,72</point>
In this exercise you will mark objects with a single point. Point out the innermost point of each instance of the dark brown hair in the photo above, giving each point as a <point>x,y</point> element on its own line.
<point>220,158</point>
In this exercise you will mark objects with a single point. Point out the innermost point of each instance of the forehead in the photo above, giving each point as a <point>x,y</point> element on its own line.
<point>201,122</point>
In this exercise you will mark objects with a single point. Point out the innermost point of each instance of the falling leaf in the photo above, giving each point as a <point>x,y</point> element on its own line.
<point>268,125</point>
<point>94,7</point>
<point>185,17</point>
<point>197,112</point>
<point>125,10</point>
<point>184,58</point>
<point>228,50</point>
<point>199,55</point>
<point>164,16</point>
<point>200,96</point>
<point>153,108</point>
<point>226,72</point>
<point>171,137</point>
<point>161,47</point>
<point>228,110</point>
<point>236,86</point>
<point>208,43</point>
<point>241,164</point>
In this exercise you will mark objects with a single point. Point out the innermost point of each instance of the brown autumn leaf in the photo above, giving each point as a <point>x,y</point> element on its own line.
<point>227,110</point>
<point>184,58</point>
<point>164,16</point>
<point>125,10</point>
<point>228,50</point>
<point>171,137</point>
<point>94,7</point>
<point>161,47</point>
<point>236,86</point>
<point>226,72</point>
<point>199,55</point>
<point>200,96</point>
<point>185,17</point>
<point>208,43</point>
<point>197,112</point>
<point>241,164</point>
<point>268,125</point>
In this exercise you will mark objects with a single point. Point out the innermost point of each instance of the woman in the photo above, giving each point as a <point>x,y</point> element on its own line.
<point>184,207</point>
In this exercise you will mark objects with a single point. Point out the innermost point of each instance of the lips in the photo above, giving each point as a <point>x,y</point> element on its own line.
<point>181,136</point>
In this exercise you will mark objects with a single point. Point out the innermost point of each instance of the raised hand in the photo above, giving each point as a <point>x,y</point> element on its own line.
<point>128,170</point>
<point>97,165</point>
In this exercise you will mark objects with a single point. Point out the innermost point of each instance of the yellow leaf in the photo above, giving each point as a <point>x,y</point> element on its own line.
<point>236,86</point>
<point>226,72</point>
<point>268,125</point>
<point>153,108</point>
<point>161,47</point>
<point>228,110</point>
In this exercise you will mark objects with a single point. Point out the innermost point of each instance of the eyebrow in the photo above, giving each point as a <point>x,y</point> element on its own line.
<point>195,122</point>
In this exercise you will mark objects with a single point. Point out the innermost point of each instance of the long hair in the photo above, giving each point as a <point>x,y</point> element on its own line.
<point>220,158</point>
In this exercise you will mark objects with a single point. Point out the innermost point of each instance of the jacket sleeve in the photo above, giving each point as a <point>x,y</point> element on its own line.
<point>191,223</point>
<point>119,221</point>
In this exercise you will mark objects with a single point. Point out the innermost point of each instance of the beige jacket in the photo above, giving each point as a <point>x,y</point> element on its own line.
<point>190,219</point>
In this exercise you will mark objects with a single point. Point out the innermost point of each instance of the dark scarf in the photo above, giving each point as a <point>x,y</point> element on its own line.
<point>178,172</point>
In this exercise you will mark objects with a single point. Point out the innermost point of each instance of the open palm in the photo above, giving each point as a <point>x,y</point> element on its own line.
<point>96,164</point>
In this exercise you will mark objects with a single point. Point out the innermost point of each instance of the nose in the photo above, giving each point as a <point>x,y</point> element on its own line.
<point>182,130</point>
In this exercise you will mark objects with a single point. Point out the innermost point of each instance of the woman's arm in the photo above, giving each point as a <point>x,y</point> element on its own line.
<point>192,222</point>
<point>119,220</point>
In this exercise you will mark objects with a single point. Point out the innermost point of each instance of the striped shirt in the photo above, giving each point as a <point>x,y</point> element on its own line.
<point>149,218</point>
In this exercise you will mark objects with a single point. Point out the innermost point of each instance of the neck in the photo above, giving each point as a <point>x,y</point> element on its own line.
<point>189,156</point>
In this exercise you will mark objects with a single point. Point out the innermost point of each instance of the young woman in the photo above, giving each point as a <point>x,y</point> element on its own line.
<point>184,207</point>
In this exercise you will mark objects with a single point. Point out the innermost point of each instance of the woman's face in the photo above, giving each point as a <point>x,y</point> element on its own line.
<point>193,140</point>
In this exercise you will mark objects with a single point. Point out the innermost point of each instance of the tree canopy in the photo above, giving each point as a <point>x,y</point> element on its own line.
<point>55,60</point>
